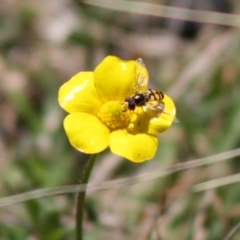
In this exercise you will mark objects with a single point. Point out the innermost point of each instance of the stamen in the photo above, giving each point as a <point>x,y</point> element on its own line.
<point>114,115</point>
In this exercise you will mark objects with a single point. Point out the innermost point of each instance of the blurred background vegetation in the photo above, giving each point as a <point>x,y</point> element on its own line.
<point>44,43</point>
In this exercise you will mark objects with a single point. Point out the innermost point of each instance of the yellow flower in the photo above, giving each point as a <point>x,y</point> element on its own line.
<point>99,117</point>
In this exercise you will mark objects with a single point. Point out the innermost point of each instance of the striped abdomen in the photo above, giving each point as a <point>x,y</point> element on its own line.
<point>153,95</point>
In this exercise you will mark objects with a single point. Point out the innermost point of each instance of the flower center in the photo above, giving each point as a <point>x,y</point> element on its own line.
<point>113,115</point>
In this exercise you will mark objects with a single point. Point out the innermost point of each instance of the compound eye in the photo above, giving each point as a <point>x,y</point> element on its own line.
<point>131,105</point>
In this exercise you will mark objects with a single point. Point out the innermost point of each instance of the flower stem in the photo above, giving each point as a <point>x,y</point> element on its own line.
<point>81,196</point>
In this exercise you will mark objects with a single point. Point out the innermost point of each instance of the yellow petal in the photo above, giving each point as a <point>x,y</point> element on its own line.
<point>79,94</point>
<point>86,132</point>
<point>165,120</point>
<point>116,79</point>
<point>135,147</point>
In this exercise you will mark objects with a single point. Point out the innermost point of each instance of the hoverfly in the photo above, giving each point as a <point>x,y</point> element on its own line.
<point>151,100</point>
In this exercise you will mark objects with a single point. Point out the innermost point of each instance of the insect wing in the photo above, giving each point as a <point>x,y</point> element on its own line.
<point>158,109</point>
<point>154,109</point>
<point>142,77</point>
